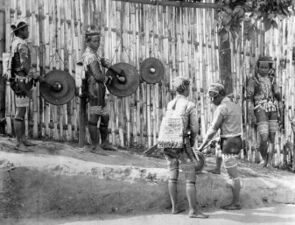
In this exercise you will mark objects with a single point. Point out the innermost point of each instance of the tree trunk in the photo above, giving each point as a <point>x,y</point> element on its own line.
<point>225,64</point>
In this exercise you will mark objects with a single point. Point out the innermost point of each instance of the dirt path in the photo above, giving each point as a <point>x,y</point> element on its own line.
<point>59,180</point>
<point>276,215</point>
<point>280,215</point>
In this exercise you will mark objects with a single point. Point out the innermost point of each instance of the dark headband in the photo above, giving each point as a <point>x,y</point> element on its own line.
<point>92,34</point>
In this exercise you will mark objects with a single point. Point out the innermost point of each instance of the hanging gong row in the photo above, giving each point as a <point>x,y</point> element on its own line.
<point>59,87</point>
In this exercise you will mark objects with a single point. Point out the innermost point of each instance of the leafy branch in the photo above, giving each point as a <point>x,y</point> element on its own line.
<point>234,12</point>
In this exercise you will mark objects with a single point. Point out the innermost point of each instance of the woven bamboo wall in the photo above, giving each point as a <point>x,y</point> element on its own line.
<point>184,39</point>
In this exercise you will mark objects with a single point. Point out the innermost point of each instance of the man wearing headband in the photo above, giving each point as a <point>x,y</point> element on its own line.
<point>228,119</point>
<point>176,156</point>
<point>264,102</point>
<point>95,91</point>
<point>20,80</point>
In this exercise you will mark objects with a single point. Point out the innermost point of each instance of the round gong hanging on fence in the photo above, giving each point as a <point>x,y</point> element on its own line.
<point>152,70</point>
<point>57,87</point>
<point>126,86</point>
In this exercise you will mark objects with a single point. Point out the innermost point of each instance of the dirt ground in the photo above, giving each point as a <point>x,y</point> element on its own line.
<point>64,183</point>
<point>276,215</point>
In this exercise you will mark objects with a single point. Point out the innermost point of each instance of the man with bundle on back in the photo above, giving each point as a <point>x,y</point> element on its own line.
<point>176,137</point>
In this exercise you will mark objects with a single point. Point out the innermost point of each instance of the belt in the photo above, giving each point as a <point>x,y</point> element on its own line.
<point>232,137</point>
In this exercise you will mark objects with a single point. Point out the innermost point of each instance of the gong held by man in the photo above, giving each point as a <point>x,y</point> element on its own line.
<point>121,79</point>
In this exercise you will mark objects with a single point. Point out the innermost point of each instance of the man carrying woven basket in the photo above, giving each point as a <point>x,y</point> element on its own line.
<point>227,118</point>
<point>178,149</point>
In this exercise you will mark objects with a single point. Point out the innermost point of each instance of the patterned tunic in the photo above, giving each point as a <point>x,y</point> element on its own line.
<point>95,88</point>
<point>263,92</point>
<point>19,65</point>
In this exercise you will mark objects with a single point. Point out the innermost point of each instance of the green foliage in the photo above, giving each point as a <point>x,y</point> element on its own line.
<point>234,12</point>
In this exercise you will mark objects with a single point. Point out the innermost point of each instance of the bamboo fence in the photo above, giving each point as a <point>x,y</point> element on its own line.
<point>184,39</point>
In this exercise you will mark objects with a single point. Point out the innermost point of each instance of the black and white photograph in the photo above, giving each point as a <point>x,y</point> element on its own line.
<point>147,112</point>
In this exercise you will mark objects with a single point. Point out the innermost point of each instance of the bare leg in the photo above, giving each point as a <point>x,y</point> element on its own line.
<point>19,128</point>
<point>217,169</point>
<point>173,166</point>
<point>191,194</point>
<point>271,148</point>
<point>103,129</point>
<point>263,148</point>
<point>236,187</point>
<point>94,137</point>
<point>172,188</point>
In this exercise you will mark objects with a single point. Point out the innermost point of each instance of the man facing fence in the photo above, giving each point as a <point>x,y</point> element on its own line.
<point>227,118</point>
<point>95,91</point>
<point>181,106</point>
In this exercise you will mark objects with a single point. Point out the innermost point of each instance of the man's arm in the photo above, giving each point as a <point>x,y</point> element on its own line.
<point>277,92</point>
<point>216,124</point>
<point>209,136</point>
<point>96,71</point>
<point>193,125</point>
<point>281,107</point>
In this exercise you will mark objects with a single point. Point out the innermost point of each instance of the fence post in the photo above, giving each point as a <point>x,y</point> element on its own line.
<point>83,100</point>
<point>2,80</point>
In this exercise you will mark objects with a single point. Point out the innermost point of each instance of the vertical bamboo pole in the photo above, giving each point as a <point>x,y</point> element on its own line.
<point>54,62</point>
<point>126,28</point>
<point>75,18</point>
<point>138,96</point>
<point>47,43</point>
<point>202,77</point>
<point>133,46</point>
<point>2,80</point>
<point>8,102</point>
<point>148,21</point>
<point>34,8</point>
<point>83,103</point>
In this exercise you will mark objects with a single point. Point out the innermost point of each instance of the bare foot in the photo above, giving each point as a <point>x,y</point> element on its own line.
<point>20,147</point>
<point>177,211</point>
<point>108,146</point>
<point>197,214</point>
<point>28,143</point>
<point>232,206</point>
<point>214,171</point>
<point>264,163</point>
<point>98,150</point>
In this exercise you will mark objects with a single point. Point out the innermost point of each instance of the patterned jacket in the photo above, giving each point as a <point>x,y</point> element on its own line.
<point>95,77</point>
<point>20,64</point>
<point>263,92</point>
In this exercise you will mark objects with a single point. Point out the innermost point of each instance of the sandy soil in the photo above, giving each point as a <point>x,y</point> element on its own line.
<point>123,183</point>
<point>275,215</point>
